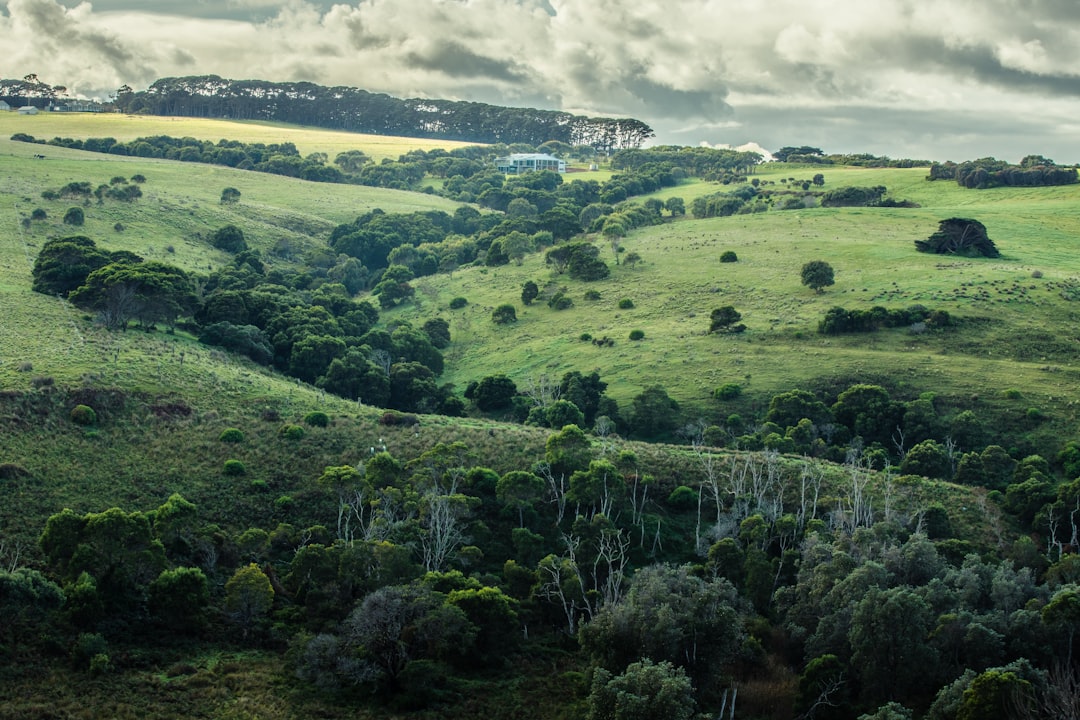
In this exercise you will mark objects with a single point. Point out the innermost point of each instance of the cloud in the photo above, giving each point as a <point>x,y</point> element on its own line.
<point>731,71</point>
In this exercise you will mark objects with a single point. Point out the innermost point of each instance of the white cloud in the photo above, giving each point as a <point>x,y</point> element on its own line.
<point>697,70</point>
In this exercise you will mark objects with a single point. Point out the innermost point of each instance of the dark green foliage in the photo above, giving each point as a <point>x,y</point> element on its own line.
<point>729,256</point>
<point>988,172</point>
<point>243,339</point>
<point>146,291</point>
<point>234,468</point>
<point>438,331</point>
<point>727,391</point>
<point>504,314</point>
<point>626,304</point>
<point>38,214</point>
<point>317,418</point>
<point>559,301</point>
<point>529,291</point>
<point>725,320</point>
<point>229,238</point>
<point>179,598</point>
<point>839,320</point>
<point>637,334</point>
<point>579,260</point>
<point>231,435</point>
<point>787,409</point>
<point>817,275</point>
<point>83,415</point>
<point>292,432</point>
<point>230,195</point>
<point>853,197</point>
<point>493,392</point>
<point>644,691</point>
<point>655,413</point>
<point>74,216</point>
<point>27,601</point>
<point>959,236</point>
<point>458,303</point>
<point>64,264</point>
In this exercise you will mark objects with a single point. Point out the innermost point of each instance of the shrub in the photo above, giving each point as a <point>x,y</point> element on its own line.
<point>626,304</point>
<point>74,216</point>
<point>458,302</point>
<point>1036,274</point>
<point>391,418</point>
<point>727,391</point>
<point>42,382</point>
<point>585,337</point>
<point>729,256</point>
<point>231,435</point>
<point>119,227</point>
<point>230,239</point>
<point>83,415</point>
<point>284,502</point>
<point>39,214</point>
<point>230,195</point>
<point>291,432</point>
<point>682,497</point>
<point>317,418</point>
<point>592,295</point>
<point>637,334</point>
<point>259,485</point>
<point>504,314</point>
<point>138,179</point>
<point>560,302</point>
<point>234,468</point>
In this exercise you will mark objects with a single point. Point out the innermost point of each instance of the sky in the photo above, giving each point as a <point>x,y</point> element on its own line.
<point>926,79</point>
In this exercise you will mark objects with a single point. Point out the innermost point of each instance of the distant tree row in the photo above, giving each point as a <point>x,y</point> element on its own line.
<point>349,108</point>
<point>988,172</point>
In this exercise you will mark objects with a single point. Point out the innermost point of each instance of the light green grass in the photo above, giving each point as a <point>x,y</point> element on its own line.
<point>1014,337</point>
<point>46,126</point>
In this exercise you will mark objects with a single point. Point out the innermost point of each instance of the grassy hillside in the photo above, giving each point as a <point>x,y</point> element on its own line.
<point>163,402</point>
<point>46,126</point>
<point>1010,337</point>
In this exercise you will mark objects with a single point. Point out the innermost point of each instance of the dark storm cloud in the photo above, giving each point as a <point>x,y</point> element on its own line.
<point>456,60</point>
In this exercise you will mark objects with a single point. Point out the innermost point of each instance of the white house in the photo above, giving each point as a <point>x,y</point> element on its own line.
<point>28,110</point>
<point>529,162</point>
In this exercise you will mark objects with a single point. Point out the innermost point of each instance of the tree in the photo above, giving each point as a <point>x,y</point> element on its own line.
<point>959,236</point>
<point>520,490</point>
<point>655,412</point>
<point>248,596</point>
<point>644,691</point>
<point>726,320</point>
<point>179,597</point>
<point>817,275</point>
<point>676,206</point>
<point>529,291</point>
<point>229,196</point>
<point>230,239</point>
<point>64,264</point>
<point>504,314</point>
<point>668,614</point>
<point>494,392</point>
<point>351,161</point>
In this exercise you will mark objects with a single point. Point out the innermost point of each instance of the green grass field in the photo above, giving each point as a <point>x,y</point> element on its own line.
<point>1012,338</point>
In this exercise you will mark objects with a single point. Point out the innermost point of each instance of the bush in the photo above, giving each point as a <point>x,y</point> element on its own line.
<point>391,418</point>
<point>291,432</point>
<point>727,391</point>
<point>317,418</point>
<point>230,239</point>
<point>234,468</point>
<point>504,314</point>
<point>231,435</point>
<point>682,497</point>
<point>83,415</point>
<point>626,304</point>
<point>458,303</point>
<point>585,337</point>
<point>729,256</point>
<point>74,216</point>
<point>637,334</point>
<point>38,214</point>
<point>592,295</point>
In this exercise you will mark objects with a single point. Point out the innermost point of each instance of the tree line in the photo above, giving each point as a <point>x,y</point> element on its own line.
<point>989,172</point>
<point>357,110</point>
